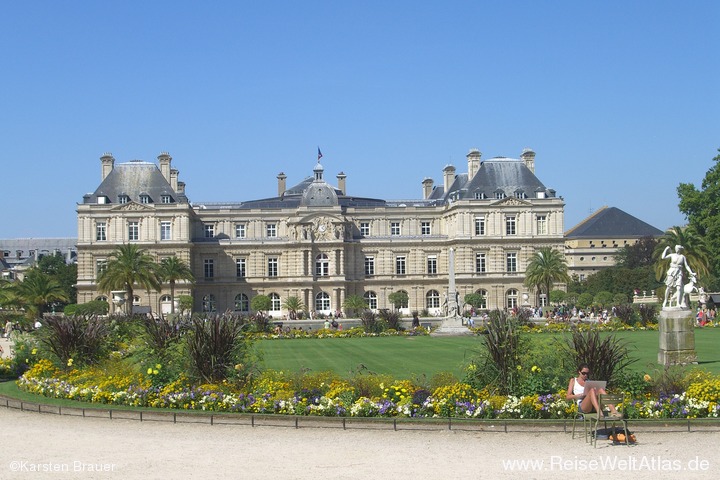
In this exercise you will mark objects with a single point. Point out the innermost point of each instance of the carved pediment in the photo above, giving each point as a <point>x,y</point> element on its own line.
<point>511,202</point>
<point>131,207</point>
<point>319,228</point>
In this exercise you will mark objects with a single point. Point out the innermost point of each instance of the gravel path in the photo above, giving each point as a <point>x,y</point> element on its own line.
<point>31,444</point>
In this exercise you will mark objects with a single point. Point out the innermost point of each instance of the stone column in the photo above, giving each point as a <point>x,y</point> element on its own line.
<point>677,337</point>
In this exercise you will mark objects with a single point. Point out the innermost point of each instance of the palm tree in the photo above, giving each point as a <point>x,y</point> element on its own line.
<point>128,266</point>
<point>293,305</point>
<point>37,290</point>
<point>355,304</point>
<point>171,270</point>
<point>547,266</point>
<point>694,248</point>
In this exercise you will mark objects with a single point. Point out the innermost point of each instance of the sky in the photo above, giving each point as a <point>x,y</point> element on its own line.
<point>618,99</point>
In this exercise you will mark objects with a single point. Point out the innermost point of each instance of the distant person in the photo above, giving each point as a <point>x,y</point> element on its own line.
<point>415,320</point>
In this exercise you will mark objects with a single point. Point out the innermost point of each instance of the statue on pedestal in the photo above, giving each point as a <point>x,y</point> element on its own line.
<point>674,281</point>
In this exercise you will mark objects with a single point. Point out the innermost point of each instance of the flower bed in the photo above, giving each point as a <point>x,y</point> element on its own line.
<point>273,393</point>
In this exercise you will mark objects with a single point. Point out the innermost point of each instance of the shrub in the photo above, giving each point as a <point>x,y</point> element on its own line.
<point>216,347</point>
<point>74,340</point>
<point>605,356</point>
<point>370,322</point>
<point>497,366</point>
<point>647,313</point>
<point>391,319</point>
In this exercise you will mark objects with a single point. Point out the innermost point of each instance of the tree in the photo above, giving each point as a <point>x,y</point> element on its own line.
<point>293,305</point>
<point>702,208</point>
<point>547,266</point>
<point>171,270</point>
<point>354,304</point>
<point>639,254</point>
<point>475,300</point>
<point>261,303</point>
<point>399,299</point>
<point>129,266</point>
<point>38,290</point>
<point>64,274</point>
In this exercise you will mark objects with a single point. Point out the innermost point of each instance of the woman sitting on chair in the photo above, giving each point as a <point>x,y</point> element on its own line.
<point>587,400</point>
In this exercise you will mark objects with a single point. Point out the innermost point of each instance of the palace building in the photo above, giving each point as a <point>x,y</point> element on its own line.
<point>322,243</point>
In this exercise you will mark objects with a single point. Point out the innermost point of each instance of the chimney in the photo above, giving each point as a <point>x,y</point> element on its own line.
<point>181,188</point>
<point>341,183</point>
<point>165,159</point>
<point>108,161</point>
<point>281,183</point>
<point>449,177</point>
<point>174,178</point>
<point>473,162</point>
<point>528,156</point>
<point>427,184</point>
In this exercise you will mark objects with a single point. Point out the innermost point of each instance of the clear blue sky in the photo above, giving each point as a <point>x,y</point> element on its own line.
<point>619,100</point>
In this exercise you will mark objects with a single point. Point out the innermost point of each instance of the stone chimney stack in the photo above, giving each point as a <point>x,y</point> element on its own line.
<point>108,162</point>
<point>528,156</point>
<point>165,159</point>
<point>174,174</point>
<point>448,177</point>
<point>281,183</point>
<point>473,162</point>
<point>341,183</point>
<point>181,188</point>
<point>427,184</point>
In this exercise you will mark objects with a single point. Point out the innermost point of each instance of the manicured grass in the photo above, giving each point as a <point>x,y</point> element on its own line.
<point>408,357</point>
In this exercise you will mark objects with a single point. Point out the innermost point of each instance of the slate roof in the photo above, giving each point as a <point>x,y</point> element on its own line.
<point>508,175</point>
<point>133,179</point>
<point>611,222</point>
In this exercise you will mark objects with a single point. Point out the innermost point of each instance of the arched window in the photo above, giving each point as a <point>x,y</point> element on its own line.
<point>208,303</point>
<point>371,299</point>
<point>165,298</point>
<point>136,300</point>
<point>322,265</point>
<point>275,302</point>
<point>322,302</point>
<point>432,299</point>
<point>512,298</point>
<point>241,303</point>
<point>484,295</point>
<point>101,298</point>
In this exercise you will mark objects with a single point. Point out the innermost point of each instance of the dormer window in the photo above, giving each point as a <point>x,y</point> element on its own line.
<point>166,199</point>
<point>123,198</point>
<point>499,195</point>
<point>480,196</point>
<point>144,198</point>
<point>102,200</point>
<point>520,194</point>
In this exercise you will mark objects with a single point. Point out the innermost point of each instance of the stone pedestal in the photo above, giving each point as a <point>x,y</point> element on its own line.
<point>452,326</point>
<point>677,337</point>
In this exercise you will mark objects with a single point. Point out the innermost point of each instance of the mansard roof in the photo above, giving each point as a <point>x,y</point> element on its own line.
<point>507,175</point>
<point>135,178</point>
<point>611,222</point>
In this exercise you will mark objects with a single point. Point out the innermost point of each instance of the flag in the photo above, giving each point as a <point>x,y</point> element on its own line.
<point>319,154</point>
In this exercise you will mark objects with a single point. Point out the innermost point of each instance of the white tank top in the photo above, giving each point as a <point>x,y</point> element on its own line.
<point>578,390</point>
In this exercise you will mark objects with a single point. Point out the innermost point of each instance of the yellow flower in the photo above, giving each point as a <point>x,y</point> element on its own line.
<point>647,378</point>
<point>519,367</point>
<point>70,362</point>
<point>155,372</point>
<point>158,366</point>
<point>34,351</point>
<point>149,371</point>
<point>238,366</point>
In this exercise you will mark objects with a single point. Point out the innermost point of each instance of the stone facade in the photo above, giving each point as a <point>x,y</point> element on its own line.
<point>320,244</point>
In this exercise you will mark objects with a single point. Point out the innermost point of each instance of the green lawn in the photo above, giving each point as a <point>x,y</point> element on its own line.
<point>407,357</point>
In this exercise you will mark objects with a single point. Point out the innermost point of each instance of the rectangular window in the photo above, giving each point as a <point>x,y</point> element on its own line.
<point>165,232</point>
<point>479,225</point>
<point>144,199</point>
<point>133,231</point>
<point>432,264</point>
<point>365,229</point>
<point>511,262</point>
<point>100,231</point>
<point>369,266</point>
<point>400,265</point>
<point>394,228</point>
<point>240,230</point>
<point>480,263</point>
<point>542,226</point>
<point>272,266</point>
<point>424,228</point>
<point>240,267</point>
<point>209,268</point>
<point>166,199</point>
<point>209,230</point>
<point>271,230</point>
<point>510,225</point>
<point>123,199</point>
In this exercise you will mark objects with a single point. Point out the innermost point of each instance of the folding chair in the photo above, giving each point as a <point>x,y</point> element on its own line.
<point>605,399</point>
<point>587,419</point>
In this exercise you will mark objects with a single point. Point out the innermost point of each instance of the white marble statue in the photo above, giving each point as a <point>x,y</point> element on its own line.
<point>674,281</point>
